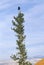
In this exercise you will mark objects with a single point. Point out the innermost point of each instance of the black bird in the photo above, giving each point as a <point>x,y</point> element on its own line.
<point>18,7</point>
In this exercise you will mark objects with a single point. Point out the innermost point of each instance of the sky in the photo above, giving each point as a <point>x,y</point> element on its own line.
<point>34,27</point>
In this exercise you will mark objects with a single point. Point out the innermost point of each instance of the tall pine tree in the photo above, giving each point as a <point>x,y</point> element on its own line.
<point>21,55</point>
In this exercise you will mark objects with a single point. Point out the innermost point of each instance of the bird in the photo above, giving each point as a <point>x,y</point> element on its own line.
<point>18,7</point>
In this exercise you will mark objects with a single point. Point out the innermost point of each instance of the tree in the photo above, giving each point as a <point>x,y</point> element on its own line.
<point>21,55</point>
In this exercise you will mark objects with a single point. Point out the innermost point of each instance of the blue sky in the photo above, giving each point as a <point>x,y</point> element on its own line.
<point>34,27</point>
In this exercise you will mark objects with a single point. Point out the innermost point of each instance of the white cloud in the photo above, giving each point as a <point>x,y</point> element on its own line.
<point>34,19</point>
<point>4,4</point>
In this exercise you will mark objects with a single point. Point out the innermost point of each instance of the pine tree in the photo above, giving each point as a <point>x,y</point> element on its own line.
<point>21,56</point>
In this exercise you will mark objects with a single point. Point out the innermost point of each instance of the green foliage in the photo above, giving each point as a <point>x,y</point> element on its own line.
<point>21,56</point>
<point>28,63</point>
